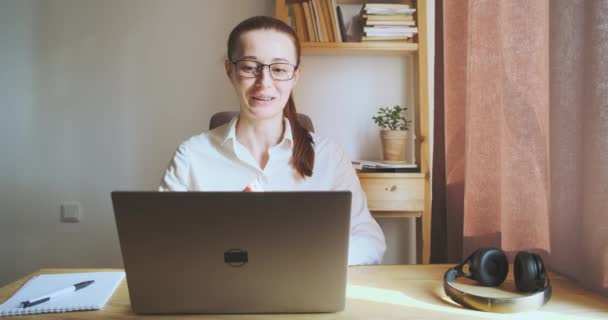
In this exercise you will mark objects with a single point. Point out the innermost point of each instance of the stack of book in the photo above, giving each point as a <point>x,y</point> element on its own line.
<point>388,22</point>
<point>316,20</point>
<point>381,166</point>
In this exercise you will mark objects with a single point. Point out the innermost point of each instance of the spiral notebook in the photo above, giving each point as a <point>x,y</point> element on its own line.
<point>93,297</point>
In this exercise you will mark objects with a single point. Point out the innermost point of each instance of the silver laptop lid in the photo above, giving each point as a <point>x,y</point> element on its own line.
<point>234,252</point>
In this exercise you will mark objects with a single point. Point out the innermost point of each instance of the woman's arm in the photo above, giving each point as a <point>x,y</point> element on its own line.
<point>367,243</point>
<point>177,176</point>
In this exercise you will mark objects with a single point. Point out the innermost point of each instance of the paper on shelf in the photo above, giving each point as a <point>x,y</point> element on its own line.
<point>380,164</point>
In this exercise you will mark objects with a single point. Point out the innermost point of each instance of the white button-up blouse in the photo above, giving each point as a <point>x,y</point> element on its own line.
<point>216,161</point>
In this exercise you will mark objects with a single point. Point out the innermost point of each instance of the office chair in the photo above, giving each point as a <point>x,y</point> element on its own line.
<point>224,117</point>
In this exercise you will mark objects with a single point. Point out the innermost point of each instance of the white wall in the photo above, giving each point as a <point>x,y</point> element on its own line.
<point>342,93</point>
<point>96,95</point>
<point>15,104</point>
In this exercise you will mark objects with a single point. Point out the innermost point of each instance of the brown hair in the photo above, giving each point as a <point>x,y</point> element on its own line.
<point>303,156</point>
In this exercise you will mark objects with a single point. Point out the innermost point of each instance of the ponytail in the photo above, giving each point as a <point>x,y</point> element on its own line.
<point>303,156</point>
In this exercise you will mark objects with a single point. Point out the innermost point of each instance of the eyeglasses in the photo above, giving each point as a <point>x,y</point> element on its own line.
<point>249,69</point>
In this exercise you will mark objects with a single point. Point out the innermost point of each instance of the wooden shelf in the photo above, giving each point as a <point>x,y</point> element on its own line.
<point>396,214</point>
<point>360,1</point>
<point>369,48</point>
<point>359,48</point>
<point>417,200</point>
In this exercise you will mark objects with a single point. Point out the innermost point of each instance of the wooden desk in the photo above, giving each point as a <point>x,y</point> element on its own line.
<point>376,292</point>
<point>399,195</point>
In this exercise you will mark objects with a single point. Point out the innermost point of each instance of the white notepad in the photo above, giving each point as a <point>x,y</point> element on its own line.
<point>93,297</point>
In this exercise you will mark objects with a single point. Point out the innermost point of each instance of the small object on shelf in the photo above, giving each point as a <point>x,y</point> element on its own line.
<point>341,24</point>
<point>388,22</point>
<point>390,170</point>
<point>387,6</point>
<point>353,22</point>
<point>394,127</point>
<point>384,166</point>
<point>393,144</point>
<point>385,38</point>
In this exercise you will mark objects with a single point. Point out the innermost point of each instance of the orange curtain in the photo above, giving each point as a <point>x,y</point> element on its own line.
<point>525,119</point>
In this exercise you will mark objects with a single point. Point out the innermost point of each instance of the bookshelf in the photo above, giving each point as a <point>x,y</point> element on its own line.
<point>394,194</point>
<point>358,48</point>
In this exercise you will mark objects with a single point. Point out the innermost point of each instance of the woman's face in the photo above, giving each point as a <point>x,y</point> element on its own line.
<point>262,97</point>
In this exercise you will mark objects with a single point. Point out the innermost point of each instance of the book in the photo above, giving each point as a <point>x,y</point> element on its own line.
<point>332,21</point>
<point>331,7</point>
<point>383,164</point>
<point>380,166</point>
<point>387,17</point>
<point>383,11</point>
<point>387,6</point>
<point>401,35</point>
<point>407,23</point>
<point>389,170</point>
<point>386,38</point>
<point>93,297</point>
<point>343,34</point>
<point>318,20</point>
<point>291,20</point>
<point>300,22</point>
<point>391,29</point>
<point>325,22</point>
<point>310,25</point>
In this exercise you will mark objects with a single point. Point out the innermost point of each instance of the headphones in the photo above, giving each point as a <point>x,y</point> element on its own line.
<point>489,267</point>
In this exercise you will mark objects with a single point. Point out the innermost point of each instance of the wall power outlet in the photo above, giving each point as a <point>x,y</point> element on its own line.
<point>71,212</point>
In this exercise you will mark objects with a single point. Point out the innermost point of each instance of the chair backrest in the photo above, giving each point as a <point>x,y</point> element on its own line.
<point>224,117</point>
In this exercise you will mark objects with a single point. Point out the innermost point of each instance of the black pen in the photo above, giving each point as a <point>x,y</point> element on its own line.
<point>55,294</point>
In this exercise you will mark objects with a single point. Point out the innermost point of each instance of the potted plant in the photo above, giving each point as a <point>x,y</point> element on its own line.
<point>393,133</point>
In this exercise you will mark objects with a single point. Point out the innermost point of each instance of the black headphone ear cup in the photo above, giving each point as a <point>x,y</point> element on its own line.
<point>529,272</point>
<point>489,266</point>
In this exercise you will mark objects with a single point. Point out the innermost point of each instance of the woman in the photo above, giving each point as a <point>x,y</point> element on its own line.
<point>264,148</point>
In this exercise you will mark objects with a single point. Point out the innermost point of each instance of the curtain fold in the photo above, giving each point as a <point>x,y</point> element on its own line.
<point>526,132</point>
<point>439,218</point>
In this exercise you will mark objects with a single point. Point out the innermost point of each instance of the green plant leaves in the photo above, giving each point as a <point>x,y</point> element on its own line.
<point>392,118</point>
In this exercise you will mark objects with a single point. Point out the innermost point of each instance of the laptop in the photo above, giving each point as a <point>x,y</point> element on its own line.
<point>234,252</point>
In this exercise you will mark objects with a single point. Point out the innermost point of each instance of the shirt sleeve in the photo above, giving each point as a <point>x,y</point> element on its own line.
<point>367,243</point>
<point>177,175</point>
